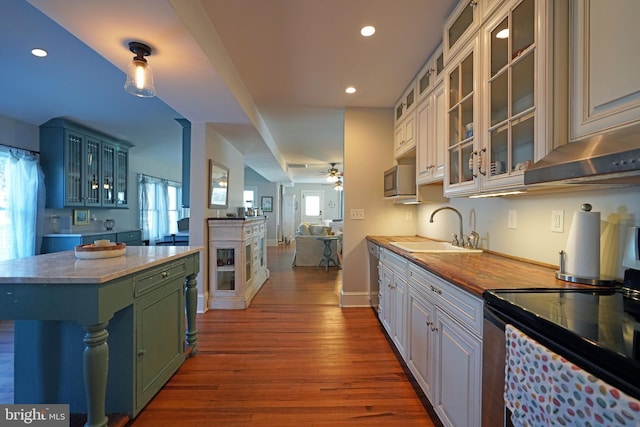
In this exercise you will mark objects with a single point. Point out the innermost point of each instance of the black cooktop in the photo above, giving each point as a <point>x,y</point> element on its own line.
<point>598,330</point>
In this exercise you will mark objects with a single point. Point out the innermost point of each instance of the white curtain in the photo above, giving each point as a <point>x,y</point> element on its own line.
<point>154,207</point>
<point>25,204</point>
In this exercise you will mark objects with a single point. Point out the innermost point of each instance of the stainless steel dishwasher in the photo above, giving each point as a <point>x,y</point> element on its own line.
<point>374,278</point>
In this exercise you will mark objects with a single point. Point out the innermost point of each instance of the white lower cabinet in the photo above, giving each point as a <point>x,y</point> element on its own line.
<point>419,347</point>
<point>393,297</point>
<point>458,371</point>
<point>399,291</point>
<point>437,328</point>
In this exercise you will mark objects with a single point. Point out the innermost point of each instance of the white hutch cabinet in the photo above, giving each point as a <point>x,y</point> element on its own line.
<point>237,260</point>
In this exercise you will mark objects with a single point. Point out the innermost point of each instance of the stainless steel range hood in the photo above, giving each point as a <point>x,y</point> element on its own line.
<point>610,158</point>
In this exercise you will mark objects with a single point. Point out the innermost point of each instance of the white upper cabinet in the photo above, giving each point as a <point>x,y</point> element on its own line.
<point>462,115</point>
<point>405,132</point>
<point>430,144</point>
<point>405,123</point>
<point>517,78</point>
<point>492,142</point>
<point>430,74</point>
<point>461,25</point>
<point>605,90</point>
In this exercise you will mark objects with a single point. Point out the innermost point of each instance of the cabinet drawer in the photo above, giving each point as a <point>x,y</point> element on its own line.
<point>395,262</point>
<point>157,277</point>
<point>129,236</point>
<point>459,304</point>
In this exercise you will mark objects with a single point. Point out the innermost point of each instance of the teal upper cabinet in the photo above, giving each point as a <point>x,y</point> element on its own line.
<point>82,167</point>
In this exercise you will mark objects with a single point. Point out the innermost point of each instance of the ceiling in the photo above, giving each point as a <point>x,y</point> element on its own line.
<point>269,75</point>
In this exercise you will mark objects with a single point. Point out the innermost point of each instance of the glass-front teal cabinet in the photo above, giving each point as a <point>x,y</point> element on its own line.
<point>83,167</point>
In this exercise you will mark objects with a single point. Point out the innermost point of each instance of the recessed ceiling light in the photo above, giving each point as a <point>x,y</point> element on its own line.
<point>350,89</point>
<point>368,31</point>
<point>40,53</point>
<point>503,34</point>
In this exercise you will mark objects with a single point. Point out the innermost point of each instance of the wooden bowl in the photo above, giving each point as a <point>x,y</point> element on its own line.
<point>97,252</point>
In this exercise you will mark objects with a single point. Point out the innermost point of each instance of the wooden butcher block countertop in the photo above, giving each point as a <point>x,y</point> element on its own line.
<point>477,272</point>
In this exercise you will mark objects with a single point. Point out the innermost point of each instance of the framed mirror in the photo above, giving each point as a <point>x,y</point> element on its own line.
<point>218,186</point>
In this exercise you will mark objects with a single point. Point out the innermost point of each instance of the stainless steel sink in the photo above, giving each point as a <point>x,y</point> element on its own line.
<point>433,247</point>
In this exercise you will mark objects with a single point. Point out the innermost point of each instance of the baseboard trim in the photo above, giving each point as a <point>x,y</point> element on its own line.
<point>354,299</point>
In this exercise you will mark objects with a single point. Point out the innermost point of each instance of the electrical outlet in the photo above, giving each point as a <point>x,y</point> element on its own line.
<point>408,216</point>
<point>557,221</point>
<point>356,214</point>
<point>512,220</point>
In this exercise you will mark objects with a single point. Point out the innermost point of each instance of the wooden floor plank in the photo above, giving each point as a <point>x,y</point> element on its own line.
<point>293,358</point>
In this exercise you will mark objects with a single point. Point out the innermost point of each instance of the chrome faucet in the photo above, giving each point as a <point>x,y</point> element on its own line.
<point>455,241</point>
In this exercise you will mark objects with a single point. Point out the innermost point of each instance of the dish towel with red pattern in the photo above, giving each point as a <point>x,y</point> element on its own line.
<point>544,389</point>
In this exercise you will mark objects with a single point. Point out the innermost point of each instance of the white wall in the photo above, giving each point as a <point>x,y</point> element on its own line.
<point>533,239</point>
<point>207,144</point>
<point>19,134</point>
<point>368,151</point>
<point>266,189</point>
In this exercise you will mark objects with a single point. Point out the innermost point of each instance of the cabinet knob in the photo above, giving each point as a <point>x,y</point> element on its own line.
<point>165,274</point>
<point>141,352</point>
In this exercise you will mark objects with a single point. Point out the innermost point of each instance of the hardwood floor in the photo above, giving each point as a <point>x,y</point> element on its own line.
<point>293,358</point>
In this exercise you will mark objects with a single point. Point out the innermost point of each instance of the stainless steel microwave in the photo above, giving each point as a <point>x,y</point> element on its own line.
<point>400,180</point>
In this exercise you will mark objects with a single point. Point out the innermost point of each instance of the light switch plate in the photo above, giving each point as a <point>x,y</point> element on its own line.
<point>512,220</point>
<point>557,221</point>
<point>356,214</point>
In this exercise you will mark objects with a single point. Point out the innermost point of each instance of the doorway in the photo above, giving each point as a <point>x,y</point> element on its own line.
<point>312,203</point>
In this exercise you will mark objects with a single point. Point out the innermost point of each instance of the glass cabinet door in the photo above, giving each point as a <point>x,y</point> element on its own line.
<point>460,116</point>
<point>459,26</point>
<point>226,269</point>
<point>92,172</point>
<point>108,174</point>
<point>511,89</point>
<point>73,157</point>
<point>248,261</point>
<point>122,168</point>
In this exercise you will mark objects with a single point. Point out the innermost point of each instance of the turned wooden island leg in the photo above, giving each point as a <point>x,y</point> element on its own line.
<point>191,301</point>
<point>95,361</point>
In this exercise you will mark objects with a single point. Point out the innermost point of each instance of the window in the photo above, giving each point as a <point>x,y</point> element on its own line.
<point>5,223</point>
<point>312,203</point>
<point>249,197</point>
<point>21,200</point>
<point>159,207</point>
<point>312,206</point>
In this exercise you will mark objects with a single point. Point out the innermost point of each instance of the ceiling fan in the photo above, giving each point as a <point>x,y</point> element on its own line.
<point>333,174</point>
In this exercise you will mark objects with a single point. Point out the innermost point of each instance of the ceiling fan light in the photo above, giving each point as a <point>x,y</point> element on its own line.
<point>338,185</point>
<point>139,76</point>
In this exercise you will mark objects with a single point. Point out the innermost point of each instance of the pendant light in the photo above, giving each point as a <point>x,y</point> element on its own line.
<point>139,78</point>
<point>338,185</point>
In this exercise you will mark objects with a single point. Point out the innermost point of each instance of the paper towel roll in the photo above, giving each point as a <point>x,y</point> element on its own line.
<point>582,257</point>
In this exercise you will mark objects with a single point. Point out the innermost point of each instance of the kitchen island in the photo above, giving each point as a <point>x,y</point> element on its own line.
<point>101,335</point>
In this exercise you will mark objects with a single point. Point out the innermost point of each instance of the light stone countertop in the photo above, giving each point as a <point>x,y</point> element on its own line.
<point>65,268</point>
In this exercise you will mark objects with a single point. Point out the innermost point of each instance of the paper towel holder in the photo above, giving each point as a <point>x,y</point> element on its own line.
<point>562,274</point>
<point>601,281</point>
